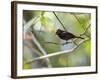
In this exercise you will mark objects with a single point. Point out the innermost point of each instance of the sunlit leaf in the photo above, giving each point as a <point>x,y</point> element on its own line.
<point>87,46</point>
<point>26,66</point>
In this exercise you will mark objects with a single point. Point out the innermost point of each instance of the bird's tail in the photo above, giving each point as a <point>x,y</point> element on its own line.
<point>79,37</point>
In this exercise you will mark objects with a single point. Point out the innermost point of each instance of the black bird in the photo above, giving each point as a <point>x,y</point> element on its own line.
<point>66,35</point>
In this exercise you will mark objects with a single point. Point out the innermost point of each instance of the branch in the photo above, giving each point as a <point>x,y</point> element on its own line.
<point>26,27</point>
<point>30,23</point>
<point>86,29</point>
<point>41,49</point>
<point>82,25</point>
<point>78,20</point>
<point>58,43</point>
<point>29,45</point>
<point>59,21</point>
<point>58,53</point>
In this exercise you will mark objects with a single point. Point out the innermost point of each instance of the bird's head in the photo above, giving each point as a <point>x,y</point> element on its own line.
<point>59,31</point>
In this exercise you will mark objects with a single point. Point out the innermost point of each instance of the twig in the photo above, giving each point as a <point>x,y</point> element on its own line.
<point>57,53</point>
<point>82,25</point>
<point>59,21</point>
<point>58,43</point>
<point>86,29</point>
<point>78,21</point>
<point>41,49</point>
<point>74,42</point>
<point>33,49</point>
<point>30,23</point>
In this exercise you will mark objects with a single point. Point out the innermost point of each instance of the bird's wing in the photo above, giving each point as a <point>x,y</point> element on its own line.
<point>63,34</point>
<point>67,35</point>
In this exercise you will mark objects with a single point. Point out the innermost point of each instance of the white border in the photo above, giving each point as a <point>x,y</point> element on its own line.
<point>21,72</point>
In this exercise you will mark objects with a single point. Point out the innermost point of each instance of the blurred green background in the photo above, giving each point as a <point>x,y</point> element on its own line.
<point>42,26</point>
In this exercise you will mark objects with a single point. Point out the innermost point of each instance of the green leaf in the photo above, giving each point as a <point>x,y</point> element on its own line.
<point>88,47</point>
<point>43,21</point>
<point>26,66</point>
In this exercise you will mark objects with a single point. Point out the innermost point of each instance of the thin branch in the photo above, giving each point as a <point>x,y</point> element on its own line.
<point>30,23</point>
<point>82,25</point>
<point>33,49</point>
<point>26,27</point>
<point>74,42</point>
<point>59,21</point>
<point>78,20</point>
<point>52,43</point>
<point>86,29</point>
<point>41,49</point>
<point>57,53</point>
<point>58,43</point>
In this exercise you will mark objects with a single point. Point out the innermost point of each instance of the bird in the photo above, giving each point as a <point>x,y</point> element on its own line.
<point>64,35</point>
